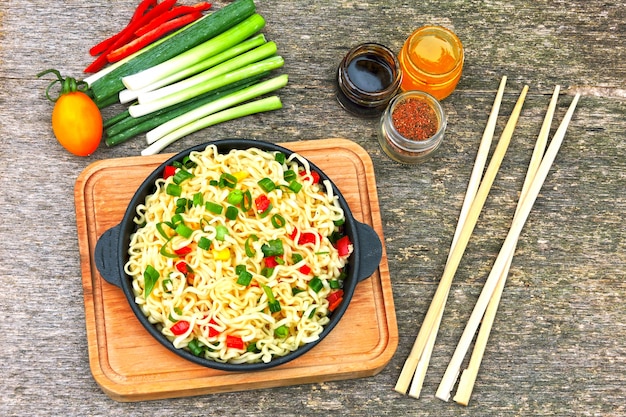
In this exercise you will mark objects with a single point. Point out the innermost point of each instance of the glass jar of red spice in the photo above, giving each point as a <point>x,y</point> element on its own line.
<point>431,60</point>
<point>412,127</point>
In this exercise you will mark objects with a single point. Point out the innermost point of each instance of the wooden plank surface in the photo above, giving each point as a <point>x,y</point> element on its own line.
<point>557,347</point>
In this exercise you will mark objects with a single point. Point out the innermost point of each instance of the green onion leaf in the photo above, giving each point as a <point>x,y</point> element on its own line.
<point>159,227</point>
<point>213,207</point>
<point>231,213</point>
<point>281,331</point>
<point>249,251</point>
<point>235,197</point>
<point>267,184</point>
<point>228,180</point>
<point>316,284</point>
<point>204,243</point>
<point>221,232</point>
<point>181,175</point>
<point>278,221</point>
<point>295,186</point>
<point>280,157</point>
<point>244,278</point>
<point>173,190</point>
<point>184,231</point>
<point>290,175</point>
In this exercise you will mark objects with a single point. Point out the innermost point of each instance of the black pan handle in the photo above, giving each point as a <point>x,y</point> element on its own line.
<point>107,256</point>
<point>370,250</point>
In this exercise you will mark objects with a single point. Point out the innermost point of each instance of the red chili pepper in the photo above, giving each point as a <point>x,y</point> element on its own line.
<point>234,342</point>
<point>105,44</point>
<point>151,36</point>
<point>169,171</point>
<point>305,269</point>
<point>334,299</point>
<point>262,203</point>
<point>343,246</point>
<point>171,14</point>
<point>183,251</point>
<point>270,262</point>
<point>128,33</point>
<point>180,327</point>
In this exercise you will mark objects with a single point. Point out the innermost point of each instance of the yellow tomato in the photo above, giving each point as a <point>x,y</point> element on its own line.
<point>76,120</point>
<point>77,123</point>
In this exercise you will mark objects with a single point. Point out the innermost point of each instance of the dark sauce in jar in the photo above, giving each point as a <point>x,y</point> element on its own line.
<point>369,73</point>
<point>367,78</point>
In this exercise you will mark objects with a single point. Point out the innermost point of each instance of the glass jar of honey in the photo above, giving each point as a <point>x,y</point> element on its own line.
<point>432,61</point>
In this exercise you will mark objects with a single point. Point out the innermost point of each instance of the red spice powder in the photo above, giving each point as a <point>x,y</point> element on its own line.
<point>415,119</point>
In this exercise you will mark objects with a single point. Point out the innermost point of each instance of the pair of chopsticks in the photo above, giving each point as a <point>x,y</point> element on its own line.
<point>415,367</point>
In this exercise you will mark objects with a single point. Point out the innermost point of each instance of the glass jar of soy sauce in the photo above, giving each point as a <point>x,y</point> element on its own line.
<point>367,79</point>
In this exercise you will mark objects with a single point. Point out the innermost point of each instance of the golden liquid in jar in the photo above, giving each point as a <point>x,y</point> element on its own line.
<point>432,61</point>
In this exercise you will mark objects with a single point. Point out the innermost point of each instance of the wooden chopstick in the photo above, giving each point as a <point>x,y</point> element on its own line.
<point>448,380</point>
<point>438,303</point>
<point>468,377</point>
<point>472,188</point>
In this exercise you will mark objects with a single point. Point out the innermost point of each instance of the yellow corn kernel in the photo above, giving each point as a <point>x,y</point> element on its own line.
<point>221,255</point>
<point>241,175</point>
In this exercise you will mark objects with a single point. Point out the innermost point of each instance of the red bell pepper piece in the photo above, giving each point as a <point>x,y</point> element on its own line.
<point>334,299</point>
<point>169,171</point>
<point>305,269</point>
<point>212,330</point>
<point>315,176</point>
<point>305,237</point>
<point>183,251</point>
<point>344,246</point>
<point>270,262</point>
<point>262,203</point>
<point>182,267</point>
<point>234,342</point>
<point>180,327</point>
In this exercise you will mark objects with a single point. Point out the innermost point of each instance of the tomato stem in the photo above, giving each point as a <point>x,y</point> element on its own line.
<point>68,84</point>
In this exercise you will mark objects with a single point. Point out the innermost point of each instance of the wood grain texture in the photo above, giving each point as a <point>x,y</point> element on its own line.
<point>557,346</point>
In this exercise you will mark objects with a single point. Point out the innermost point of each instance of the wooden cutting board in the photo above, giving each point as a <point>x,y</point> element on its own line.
<point>129,365</point>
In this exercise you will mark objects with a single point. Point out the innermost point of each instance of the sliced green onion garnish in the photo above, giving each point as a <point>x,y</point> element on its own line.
<point>163,251</point>
<point>239,269</point>
<point>196,347</point>
<point>295,186</point>
<point>272,302</point>
<point>278,221</point>
<point>228,180</point>
<point>198,199</point>
<point>296,257</point>
<point>173,190</point>
<point>166,285</point>
<point>235,197</point>
<point>281,331</point>
<point>181,175</point>
<point>296,290</point>
<point>231,212</point>
<point>184,230</point>
<point>316,284</point>
<point>246,201</point>
<point>266,212</point>
<point>213,207</point>
<point>221,232</point>
<point>249,251</point>
<point>312,313</point>
<point>280,157</point>
<point>176,219</point>
<point>267,184</point>
<point>159,227</point>
<point>290,175</point>
<point>204,243</point>
<point>339,222</point>
<point>334,284</point>
<point>244,278</point>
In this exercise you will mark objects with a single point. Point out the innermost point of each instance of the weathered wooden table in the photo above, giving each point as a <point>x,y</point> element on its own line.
<point>557,346</point>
